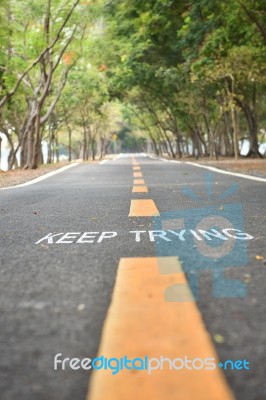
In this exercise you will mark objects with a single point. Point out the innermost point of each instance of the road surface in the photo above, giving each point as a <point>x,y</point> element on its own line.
<point>62,241</point>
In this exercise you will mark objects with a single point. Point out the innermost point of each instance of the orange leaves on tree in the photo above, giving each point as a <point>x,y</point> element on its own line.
<point>68,57</point>
<point>103,68</point>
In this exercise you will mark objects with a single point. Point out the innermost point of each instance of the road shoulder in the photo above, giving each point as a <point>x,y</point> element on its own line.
<point>19,178</point>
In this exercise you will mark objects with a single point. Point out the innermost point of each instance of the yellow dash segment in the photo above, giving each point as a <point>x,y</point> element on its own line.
<point>134,161</point>
<point>141,323</point>
<point>139,182</point>
<point>140,189</point>
<point>136,168</point>
<point>137,175</point>
<point>143,208</point>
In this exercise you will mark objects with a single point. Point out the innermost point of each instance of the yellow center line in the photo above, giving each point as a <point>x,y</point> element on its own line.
<point>137,175</point>
<point>139,182</point>
<point>143,208</point>
<point>140,189</point>
<point>135,162</point>
<point>140,322</point>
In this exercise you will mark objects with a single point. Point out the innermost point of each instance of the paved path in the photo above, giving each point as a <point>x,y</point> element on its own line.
<point>181,243</point>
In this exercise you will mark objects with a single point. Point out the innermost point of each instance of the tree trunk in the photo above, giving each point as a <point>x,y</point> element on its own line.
<point>57,147</point>
<point>40,159</point>
<point>10,159</point>
<point>69,144</point>
<point>102,151</point>
<point>236,131</point>
<point>168,141</point>
<point>85,144</point>
<point>93,148</point>
<point>23,151</point>
<point>0,151</point>
<point>251,118</point>
<point>212,147</point>
<point>49,156</point>
<point>196,147</point>
<point>29,148</point>
<point>36,145</point>
<point>228,136</point>
<point>178,147</point>
<point>155,146</point>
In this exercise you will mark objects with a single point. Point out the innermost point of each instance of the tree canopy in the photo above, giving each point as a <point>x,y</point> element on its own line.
<point>181,77</point>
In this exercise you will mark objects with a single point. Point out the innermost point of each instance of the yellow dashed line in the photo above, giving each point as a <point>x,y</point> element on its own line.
<point>137,175</point>
<point>139,182</point>
<point>136,168</point>
<point>143,208</point>
<point>140,189</point>
<point>140,322</point>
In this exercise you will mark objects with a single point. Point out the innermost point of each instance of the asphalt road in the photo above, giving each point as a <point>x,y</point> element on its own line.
<point>54,296</point>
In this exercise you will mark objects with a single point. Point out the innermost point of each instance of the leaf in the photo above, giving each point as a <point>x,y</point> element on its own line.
<point>103,68</point>
<point>261,258</point>
<point>219,338</point>
<point>247,278</point>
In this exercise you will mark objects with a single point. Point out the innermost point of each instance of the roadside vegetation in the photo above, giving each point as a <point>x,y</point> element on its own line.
<point>87,78</point>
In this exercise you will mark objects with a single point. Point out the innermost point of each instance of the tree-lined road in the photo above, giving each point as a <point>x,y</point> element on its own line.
<point>56,290</point>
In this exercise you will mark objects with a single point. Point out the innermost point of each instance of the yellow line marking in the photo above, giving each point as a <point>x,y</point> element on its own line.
<point>140,189</point>
<point>136,168</point>
<point>141,323</point>
<point>137,175</point>
<point>134,161</point>
<point>143,208</point>
<point>139,182</point>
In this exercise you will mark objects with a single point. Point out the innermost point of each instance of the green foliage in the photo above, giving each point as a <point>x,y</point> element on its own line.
<point>178,66</point>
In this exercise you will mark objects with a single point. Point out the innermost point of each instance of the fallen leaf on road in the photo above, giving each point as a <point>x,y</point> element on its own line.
<point>218,338</point>
<point>247,278</point>
<point>259,258</point>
